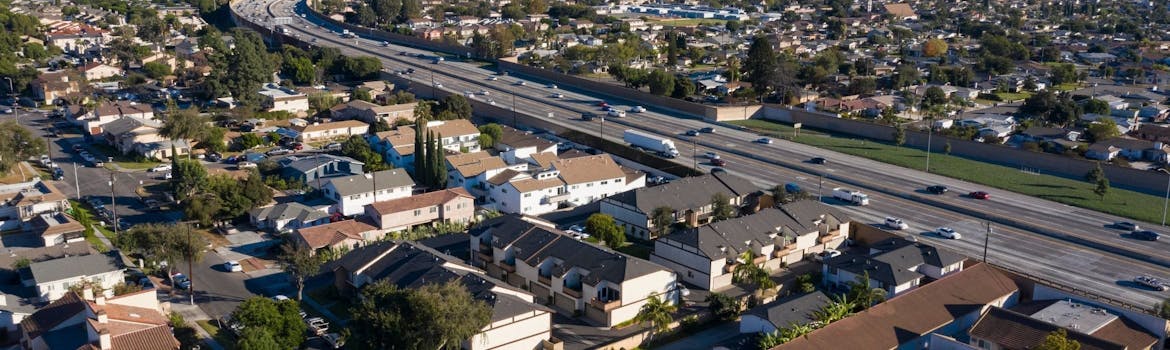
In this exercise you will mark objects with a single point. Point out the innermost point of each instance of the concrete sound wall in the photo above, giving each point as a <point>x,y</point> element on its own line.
<point>398,39</point>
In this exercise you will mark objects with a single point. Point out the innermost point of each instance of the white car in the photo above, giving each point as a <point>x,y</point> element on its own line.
<point>638,109</point>
<point>521,82</point>
<point>438,85</point>
<point>233,266</point>
<point>161,167</point>
<point>168,176</point>
<point>245,165</point>
<point>896,223</point>
<point>558,95</point>
<point>484,92</point>
<point>617,113</point>
<point>827,254</point>
<point>948,233</point>
<point>552,86</point>
<point>493,78</point>
<point>712,155</point>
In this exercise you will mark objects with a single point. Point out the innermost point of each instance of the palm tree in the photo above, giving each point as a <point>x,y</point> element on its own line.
<point>749,273</point>
<point>835,310</point>
<point>864,293</point>
<point>658,313</point>
<point>661,218</point>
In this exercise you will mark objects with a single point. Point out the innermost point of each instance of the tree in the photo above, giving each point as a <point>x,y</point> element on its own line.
<point>1163,309</point>
<point>256,339</point>
<point>721,208</point>
<point>724,308</point>
<point>1102,187</point>
<point>420,151</point>
<point>837,309</point>
<point>157,243</point>
<point>17,144</point>
<point>1095,174</point>
<point>604,228</point>
<point>748,273</point>
<point>1096,106</point>
<point>1103,129</point>
<point>434,316</point>
<point>364,67</point>
<point>362,94</point>
<point>456,104</point>
<point>493,132</point>
<point>934,96</point>
<point>761,63</point>
<point>864,294</point>
<point>300,264</point>
<point>184,124</point>
<point>899,135</point>
<point>656,312</point>
<point>357,147</point>
<point>1058,340</point>
<point>189,177</point>
<point>661,218</point>
<point>661,82</point>
<point>240,71</point>
<point>156,70</point>
<point>934,48</point>
<point>683,87</point>
<point>212,139</point>
<point>300,69</point>
<point>281,320</point>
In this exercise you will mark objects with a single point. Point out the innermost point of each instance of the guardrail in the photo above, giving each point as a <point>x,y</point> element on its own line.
<point>1070,289</point>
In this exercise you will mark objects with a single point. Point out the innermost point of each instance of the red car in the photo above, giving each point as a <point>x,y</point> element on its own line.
<point>718,162</point>
<point>602,104</point>
<point>979,195</point>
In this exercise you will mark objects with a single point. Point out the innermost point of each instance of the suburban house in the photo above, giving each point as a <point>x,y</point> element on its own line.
<point>576,277</point>
<point>558,184</point>
<point>288,216</point>
<point>512,191</point>
<point>161,150</point>
<point>77,38</point>
<point>26,200</point>
<point>52,278</point>
<point>516,146</point>
<point>98,71</point>
<point>396,147</point>
<point>1131,149</point>
<point>947,307</point>
<point>337,236</point>
<point>591,178</point>
<point>458,135</point>
<point>707,256</point>
<point>472,170</point>
<point>56,228</point>
<point>124,133</point>
<point>447,205</point>
<point>311,168</point>
<point>896,265</point>
<point>783,312</point>
<point>283,99</point>
<point>371,112</point>
<point>517,320</point>
<point>49,87</point>
<point>352,193</point>
<point>133,321</point>
<point>91,122</point>
<point>332,130</point>
<point>1025,326</point>
<point>690,199</point>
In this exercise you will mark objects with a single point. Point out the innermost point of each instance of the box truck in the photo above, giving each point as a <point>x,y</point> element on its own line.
<point>851,196</point>
<point>646,141</point>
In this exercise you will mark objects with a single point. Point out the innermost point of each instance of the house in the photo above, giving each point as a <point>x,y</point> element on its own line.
<point>77,38</point>
<point>561,183</point>
<point>126,132</point>
<point>283,99</point>
<point>895,265</point>
<point>589,179</point>
<point>56,228</point>
<point>99,71</point>
<point>372,113</point>
<point>515,146</point>
<point>707,256</point>
<point>26,200</point>
<point>512,191</point>
<point>1153,132</point>
<point>107,112</point>
<point>783,312</point>
<point>690,199</point>
<point>161,150</point>
<point>1114,102</point>
<point>351,193</point>
<point>1026,325</point>
<point>49,87</point>
<point>472,170</point>
<point>901,10</point>
<point>52,278</point>
<point>287,216</point>
<point>396,147</point>
<point>447,205</point>
<point>333,130</point>
<point>337,236</point>
<point>312,169</point>
<point>131,321</point>
<point>458,135</point>
<point>947,307</point>
<point>1132,149</point>
<point>605,287</point>
<point>517,321</point>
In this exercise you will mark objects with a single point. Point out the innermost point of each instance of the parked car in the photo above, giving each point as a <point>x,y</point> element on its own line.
<point>937,189</point>
<point>168,176</point>
<point>707,130</point>
<point>181,281</point>
<point>1146,235</point>
<point>948,233</point>
<point>1126,225</point>
<point>245,165</point>
<point>979,195</point>
<point>161,167</point>
<point>146,283</point>
<point>278,151</point>
<point>827,254</point>
<point>818,160</point>
<point>896,223</point>
<point>1150,282</point>
<point>233,266</point>
<point>297,146</point>
<point>764,140</point>
<point>213,157</point>
<point>333,146</point>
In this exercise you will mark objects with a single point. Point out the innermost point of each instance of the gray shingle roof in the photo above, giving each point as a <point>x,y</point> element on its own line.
<point>929,254</point>
<point>792,219</point>
<point>73,266</point>
<point>796,309</point>
<point>290,210</point>
<point>891,261</point>
<point>686,193</point>
<point>362,183</point>
<point>307,164</point>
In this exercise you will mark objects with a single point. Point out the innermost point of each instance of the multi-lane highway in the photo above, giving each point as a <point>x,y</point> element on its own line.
<point>1074,265</point>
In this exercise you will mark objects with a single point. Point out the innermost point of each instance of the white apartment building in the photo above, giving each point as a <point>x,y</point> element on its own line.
<point>351,193</point>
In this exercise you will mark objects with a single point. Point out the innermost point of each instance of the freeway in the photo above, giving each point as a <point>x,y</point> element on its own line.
<point>1074,265</point>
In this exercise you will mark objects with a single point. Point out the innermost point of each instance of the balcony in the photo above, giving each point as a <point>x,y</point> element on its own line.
<point>730,267</point>
<point>826,238</point>
<point>545,280</point>
<point>760,259</point>
<point>484,256</point>
<point>485,247</point>
<point>506,266</point>
<point>576,293</point>
<point>604,306</point>
<point>556,198</point>
<point>782,251</point>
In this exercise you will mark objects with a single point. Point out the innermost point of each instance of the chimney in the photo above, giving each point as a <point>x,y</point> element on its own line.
<point>105,340</point>
<point>87,293</point>
<point>102,317</point>
<point>100,300</point>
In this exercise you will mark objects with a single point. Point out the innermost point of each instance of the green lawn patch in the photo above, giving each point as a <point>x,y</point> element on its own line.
<point>1066,87</point>
<point>636,250</point>
<point>124,161</point>
<point>1013,96</point>
<point>1059,189</point>
<point>85,217</point>
<point>225,339</point>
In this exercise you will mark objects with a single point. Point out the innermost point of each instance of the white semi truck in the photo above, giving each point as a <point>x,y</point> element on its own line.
<point>851,196</point>
<point>646,141</point>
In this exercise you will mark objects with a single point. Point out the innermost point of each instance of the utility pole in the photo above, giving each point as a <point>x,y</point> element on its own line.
<point>514,107</point>
<point>190,265</point>
<point>820,185</point>
<point>113,202</point>
<point>986,240</point>
<point>695,152</point>
<point>929,133</point>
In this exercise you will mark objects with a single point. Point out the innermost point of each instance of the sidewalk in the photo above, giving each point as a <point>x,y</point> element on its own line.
<point>191,314</point>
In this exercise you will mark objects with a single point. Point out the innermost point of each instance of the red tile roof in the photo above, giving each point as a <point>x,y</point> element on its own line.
<point>424,200</point>
<point>332,233</point>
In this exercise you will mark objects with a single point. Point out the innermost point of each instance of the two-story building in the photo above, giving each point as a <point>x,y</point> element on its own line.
<point>23,201</point>
<point>49,87</point>
<point>591,178</point>
<point>472,170</point>
<point>371,113</point>
<point>312,168</point>
<point>896,265</point>
<point>288,216</point>
<point>106,112</point>
<point>689,198</point>
<point>458,135</point>
<point>396,147</point>
<point>707,256</point>
<point>516,146</point>
<point>332,130</point>
<point>351,193</point>
<point>447,205</point>
<point>517,320</point>
<point>278,98</point>
<point>52,278</point>
<point>576,277</point>
<point>337,236</point>
<point>512,191</point>
<point>124,133</point>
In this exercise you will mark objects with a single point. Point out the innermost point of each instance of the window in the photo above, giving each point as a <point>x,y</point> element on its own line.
<point>617,181</point>
<point>589,184</point>
<point>434,209</point>
<point>690,274</point>
<point>605,182</point>
<point>417,212</point>
<point>526,195</point>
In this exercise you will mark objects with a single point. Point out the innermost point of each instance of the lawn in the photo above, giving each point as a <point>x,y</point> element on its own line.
<point>124,161</point>
<point>1066,87</point>
<point>1013,96</point>
<point>80,212</point>
<point>1068,191</point>
<point>225,339</point>
<point>636,250</point>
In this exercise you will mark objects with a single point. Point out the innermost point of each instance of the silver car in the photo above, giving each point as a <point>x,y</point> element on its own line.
<point>1150,282</point>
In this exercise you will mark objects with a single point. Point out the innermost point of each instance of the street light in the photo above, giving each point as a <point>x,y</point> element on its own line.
<point>929,133</point>
<point>113,203</point>
<point>695,152</point>
<point>1166,202</point>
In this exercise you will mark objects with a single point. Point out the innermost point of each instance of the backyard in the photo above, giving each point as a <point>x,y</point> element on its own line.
<point>1059,189</point>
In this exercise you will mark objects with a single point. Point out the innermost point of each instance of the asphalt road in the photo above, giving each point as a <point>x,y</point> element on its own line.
<point>1071,264</point>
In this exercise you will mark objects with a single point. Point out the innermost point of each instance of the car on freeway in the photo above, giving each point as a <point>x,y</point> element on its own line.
<point>1146,235</point>
<point>718,170</point>
<point>484,92</point>
<point>937,189</point>
<point>827,254</point>
<point>161,167</point>
<point>385,43</point>
<point>638,109</point>
<point>979,195</point>
<point>948,233</point>
<point>711,155</point>
<point>438,85</point>
<point>896,223</point>
<point>493,78</point>
<point>602,104</point>
<point>521,82</point>
<point>707,130</point>
<point>818,160</point>
<point>233,266</point>
<point>764,140</point>
<point>1126,225</point>
<point>692,133</point>
<point>558,95</point>
<point>552,86</point>
<point>616,113</point>
<point>1150,282</point>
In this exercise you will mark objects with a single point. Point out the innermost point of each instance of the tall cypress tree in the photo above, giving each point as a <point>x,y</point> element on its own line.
<point>439,163</point>
<point>427,173</point>
<point>419,150</point>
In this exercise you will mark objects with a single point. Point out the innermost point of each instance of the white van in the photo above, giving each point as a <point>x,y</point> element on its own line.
<point>896,223</point>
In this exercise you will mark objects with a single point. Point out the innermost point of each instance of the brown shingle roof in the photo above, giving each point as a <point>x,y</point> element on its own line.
<point>424,200</point>
<point>333,233</point>
<point>474,163</point>
<point>588,169</point>
<point>900,10</point>
<point>52,315</point>
<point>913,314</point>
<point>335,125</point>
<point>544,160</point>
<point>452,128</point>
<point>503,177</point>
<point>154,338</point>
<point>1126,332</point>
<point>1013,330</point>
<point>530,184</point>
